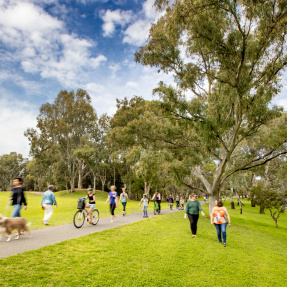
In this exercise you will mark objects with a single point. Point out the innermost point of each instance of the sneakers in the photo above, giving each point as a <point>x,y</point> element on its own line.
<point>112,221</point>
<point>224,244</point>
<point>46,223</point>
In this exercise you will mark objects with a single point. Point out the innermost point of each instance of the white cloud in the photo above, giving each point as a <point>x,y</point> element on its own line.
<point>41,45</point>
<point>137,33</point>
<point>132,85</point>
<point>15,118</point>
<point>113,18</point>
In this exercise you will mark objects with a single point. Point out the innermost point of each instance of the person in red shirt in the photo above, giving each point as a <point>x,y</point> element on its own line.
<point>218,218</point>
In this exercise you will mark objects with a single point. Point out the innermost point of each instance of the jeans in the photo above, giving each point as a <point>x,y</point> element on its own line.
<point>124,205</point>
<point>49,210</point>
<point>221,228</point>
<point>16,210</point>
<point>193,218</point>
<point>145,210</point>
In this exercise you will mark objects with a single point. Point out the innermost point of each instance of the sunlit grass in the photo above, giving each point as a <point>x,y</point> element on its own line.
<point>160,252</point>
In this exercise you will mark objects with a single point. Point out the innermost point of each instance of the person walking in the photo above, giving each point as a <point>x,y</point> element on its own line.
<point>18,197</point>
<point>123,199</point>
<point>218,218</point>
<point>113,199</point>
<point>170,201</point>
<point>144,200</point>
<point>177,201</point>
<point>192,209</point>
<point>157,198</point>
<point>181,201</point>
<point>47,203</point>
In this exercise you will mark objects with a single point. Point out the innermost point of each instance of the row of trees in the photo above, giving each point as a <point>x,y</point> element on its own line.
<point>213,130</point>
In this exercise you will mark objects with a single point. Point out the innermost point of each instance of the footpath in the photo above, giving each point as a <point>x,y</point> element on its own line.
<point>55,234</point>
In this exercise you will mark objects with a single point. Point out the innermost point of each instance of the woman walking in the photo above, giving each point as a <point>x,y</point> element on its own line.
<point>18,197</point>
<point>192,209</point>
<point>218,218</point>
<point>113,199</point>
<point>123,199</point>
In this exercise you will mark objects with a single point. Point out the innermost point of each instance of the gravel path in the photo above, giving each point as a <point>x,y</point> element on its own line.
<point>54,234</point>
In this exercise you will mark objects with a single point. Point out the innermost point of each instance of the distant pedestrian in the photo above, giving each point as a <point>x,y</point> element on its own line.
<point>218,218</point>
<point>177,201</point>
<point>113,199</point>
<point>144,200</point>
<point>123,199</point>
<point>181,203</point>
<point>92,203</point>
<point>18,197</point>
<point>47,203</point>
<point>192,209</point>
<point>170,201</point>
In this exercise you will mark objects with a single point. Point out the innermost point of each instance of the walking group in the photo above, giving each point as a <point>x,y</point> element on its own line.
<point>219,216</point>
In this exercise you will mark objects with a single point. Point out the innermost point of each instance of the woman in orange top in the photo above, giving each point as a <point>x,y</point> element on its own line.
<point>218,218</point>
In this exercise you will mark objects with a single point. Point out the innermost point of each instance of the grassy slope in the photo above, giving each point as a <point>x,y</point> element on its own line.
<point>67,207</point>
<point>160,252</point>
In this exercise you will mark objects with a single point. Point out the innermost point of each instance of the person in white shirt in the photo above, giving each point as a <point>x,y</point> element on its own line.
<point>144,200</point>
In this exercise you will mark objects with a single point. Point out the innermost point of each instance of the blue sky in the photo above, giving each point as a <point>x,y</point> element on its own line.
<point>49,45</point>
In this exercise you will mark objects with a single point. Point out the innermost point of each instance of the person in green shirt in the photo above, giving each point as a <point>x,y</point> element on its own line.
<point>192,209</point>
<point>124,198</point>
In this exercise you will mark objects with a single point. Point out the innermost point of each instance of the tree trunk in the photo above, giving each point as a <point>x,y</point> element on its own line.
<point>114,175</point>
<point>80,181</point>
<point>261,211</point>
<point>72,183</point>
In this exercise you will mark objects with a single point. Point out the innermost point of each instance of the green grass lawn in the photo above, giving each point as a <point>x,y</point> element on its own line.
<point>160,252</point>
<point>67,207</point>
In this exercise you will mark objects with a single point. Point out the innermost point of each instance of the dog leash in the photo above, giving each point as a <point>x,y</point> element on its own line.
<point>7,207</point>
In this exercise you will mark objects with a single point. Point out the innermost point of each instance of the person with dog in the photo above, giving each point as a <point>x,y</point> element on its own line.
<point>157,198</point>
<point>123,199</point>
<point>92,203</point>
<point>18,197</point>
<point>113,199</point>
<point>218,218</point>
<point>192,209</point>
<point>47,203</point>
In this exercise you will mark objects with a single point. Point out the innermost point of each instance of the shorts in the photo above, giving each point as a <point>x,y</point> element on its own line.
<point>93,205</point>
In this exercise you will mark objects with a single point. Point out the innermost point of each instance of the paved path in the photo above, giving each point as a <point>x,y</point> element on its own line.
<point>54,234</point>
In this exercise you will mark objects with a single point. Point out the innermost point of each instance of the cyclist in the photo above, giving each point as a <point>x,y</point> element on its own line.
<point>92,203</point>
<point>157,198</point>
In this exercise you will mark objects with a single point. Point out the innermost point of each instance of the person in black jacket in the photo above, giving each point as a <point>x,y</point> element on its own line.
<point>18,197</point>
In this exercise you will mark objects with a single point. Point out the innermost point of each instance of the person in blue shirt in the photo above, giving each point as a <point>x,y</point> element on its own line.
<point>47,203</point>
<point>113,199</point>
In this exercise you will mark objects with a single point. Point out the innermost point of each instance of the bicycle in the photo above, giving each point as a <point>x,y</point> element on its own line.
<point>81,214</point>
<point>156,208</point>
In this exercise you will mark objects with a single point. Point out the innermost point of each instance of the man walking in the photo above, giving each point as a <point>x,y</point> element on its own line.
<point>47,203</point>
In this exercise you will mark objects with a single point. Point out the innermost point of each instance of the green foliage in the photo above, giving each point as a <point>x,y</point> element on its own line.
<point>11,165</point>
<point>227,59</point>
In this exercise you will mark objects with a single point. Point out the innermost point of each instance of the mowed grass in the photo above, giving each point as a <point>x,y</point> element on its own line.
<point>67,207</point>
<point>160,252</point>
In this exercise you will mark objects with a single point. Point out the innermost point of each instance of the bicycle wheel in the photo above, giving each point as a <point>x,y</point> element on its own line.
<point>154,211</point>
<point>79,218</point>
<point>95,216</point>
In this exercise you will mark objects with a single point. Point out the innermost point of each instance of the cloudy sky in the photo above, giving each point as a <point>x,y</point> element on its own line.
<point>49,45</point>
